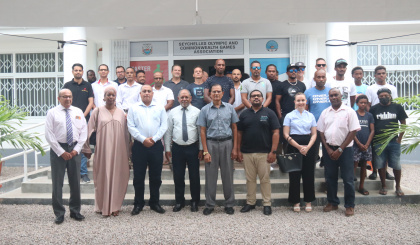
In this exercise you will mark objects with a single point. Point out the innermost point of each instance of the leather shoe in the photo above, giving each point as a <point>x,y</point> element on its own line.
<point>229,210</point>
<point>178,207</point>
<point>157,208</point>
<point>267,210</point>
<point>349,212</point>
<point>329,207</point>
<point>77,216</point>
<point>194,207</point>
<point>208,211</point>
<point>247,208</point>
<point>136,210</point>
<point>58,220</point>
<point>389,177</point>
<point>373,176</point>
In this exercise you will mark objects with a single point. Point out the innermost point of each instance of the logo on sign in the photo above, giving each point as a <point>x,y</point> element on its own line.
<point>147,48</point>
<point>272,46</point>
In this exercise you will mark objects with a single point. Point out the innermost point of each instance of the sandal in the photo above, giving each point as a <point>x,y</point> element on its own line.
<point>399,193</point>
<point>383,191</point>
<point>308,209</point>
<point>116,213</point>
<point>363,191</point>
<point>296,208</point>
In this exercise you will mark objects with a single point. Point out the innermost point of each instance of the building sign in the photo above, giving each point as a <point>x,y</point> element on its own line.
<point>148,49</point>
<point>209,47</point>
<point>269,46</point>
<point>150,67</point>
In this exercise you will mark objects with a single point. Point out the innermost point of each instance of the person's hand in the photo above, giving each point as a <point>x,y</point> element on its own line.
<point>271,157</point>
<point>200,155</point>
<point>365,147</point>
<point>66,156</point>
<point>168,155</point>
<point>399,140</point>
<point>73,153</point>
<point>240,157</point>
<point>329,151</point>
<point>234,154</point>
<point>304,150</point>
<point>148,142</point>
<point>335,155</point>
<point>207,158</point>
<point>88,155</point>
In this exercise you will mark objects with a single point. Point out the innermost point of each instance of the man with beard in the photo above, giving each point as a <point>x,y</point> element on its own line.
<point>346,86</point>
<point>386,115</point>
<point>256,82</point>
<point>258,136</point>
<point>225,82</point>
<point>120,71</point>
<point>338,125</point>
<point>141,77</point>
<point>83,99</point>
<point>91,77</point>
<point>100,85</point>
<point>176,84</point>
<point>271,73</point>
<point>236,77</point>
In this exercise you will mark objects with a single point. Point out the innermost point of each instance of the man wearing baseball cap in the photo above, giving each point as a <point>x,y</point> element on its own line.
<point>301,74</point>
<point>346,86</point>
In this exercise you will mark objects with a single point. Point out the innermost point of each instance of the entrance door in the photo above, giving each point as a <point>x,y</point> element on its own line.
<point>187,67</point>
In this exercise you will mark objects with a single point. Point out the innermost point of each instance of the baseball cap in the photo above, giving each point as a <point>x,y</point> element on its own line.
<point>300,64</point>
<point>341,61</point>
<point>290,66</point>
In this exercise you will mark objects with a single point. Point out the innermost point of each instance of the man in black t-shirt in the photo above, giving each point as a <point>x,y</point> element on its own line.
<point>387,115</point>
<point>258,136</point>
<point>271,72</point>
<point>83,99</point>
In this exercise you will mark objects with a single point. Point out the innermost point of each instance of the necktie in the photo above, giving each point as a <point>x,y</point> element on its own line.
<point>69,128</point>
<point>184,126</point>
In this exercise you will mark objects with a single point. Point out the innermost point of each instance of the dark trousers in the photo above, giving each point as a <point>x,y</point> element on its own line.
<point>58,170</point>
<point>307,173</point>
<point>183,156</point>
<point>142,158</point>
<point>345,163</point>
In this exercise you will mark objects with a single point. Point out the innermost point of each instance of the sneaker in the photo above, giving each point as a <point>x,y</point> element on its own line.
<point>85,178</point>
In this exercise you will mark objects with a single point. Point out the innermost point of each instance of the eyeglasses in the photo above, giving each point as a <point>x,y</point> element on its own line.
<point>256,68</point>
<point>158,78</point>
<point>256,96</point>
<point>321,65</point>
<point>301,69</point>
<point>66,97</point>
<point>293,70</point>
<point>103,70</point>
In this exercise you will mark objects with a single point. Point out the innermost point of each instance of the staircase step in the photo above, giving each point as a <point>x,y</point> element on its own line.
<point>44,185</point>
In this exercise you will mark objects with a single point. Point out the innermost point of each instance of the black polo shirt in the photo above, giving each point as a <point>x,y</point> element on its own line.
<point>256,128</point>
<point>81,94</point>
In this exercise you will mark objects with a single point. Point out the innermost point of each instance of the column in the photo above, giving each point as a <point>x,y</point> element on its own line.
<point>73,53</point>
<point>339,31</point>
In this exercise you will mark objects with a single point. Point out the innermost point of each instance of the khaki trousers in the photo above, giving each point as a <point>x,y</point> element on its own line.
<point>256,164</point>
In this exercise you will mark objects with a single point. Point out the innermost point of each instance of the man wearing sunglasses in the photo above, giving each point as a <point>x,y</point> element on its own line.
<point>301,74</point>
<point>256,82</point>
<point>346,86</point>
<point>321,64</point>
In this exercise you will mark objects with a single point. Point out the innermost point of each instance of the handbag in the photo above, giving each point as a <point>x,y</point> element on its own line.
<point>92,139</point>
<point>289,162</point>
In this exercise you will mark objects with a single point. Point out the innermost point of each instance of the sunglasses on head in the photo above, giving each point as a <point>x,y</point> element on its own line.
<point>256,68</point>
<point>321,65</point>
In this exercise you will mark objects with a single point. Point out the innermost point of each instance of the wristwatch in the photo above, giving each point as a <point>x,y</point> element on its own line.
<point>205,153</point>
<point>340,150</point>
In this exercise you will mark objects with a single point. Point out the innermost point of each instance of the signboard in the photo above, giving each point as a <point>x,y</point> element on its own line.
<point>209,47</point>
<point>148,49</point>
<point>269,46</point>
<point>150,67</point>
<point>280,63</point>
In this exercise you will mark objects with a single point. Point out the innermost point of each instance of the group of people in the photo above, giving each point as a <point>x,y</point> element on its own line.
<point>219,119</point>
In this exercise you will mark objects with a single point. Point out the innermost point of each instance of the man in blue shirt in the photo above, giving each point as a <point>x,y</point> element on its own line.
<point>147,122</point>
<point>317,97</point>
<point>357,74</point>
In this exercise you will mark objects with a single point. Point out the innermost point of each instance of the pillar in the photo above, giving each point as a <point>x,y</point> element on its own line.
<point>74,53</point>
<point>339,31</point>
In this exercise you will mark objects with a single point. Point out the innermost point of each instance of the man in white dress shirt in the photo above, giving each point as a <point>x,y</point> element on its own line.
<point>66,132</point>
<point>187,149</point>
<point>161,94</point>
<point>129,92</point>
<point>147,122</point>
<point>100,85</point>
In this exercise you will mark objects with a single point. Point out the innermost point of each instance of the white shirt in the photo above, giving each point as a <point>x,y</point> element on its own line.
<point>371,92</point>
<point>98,91</point>
<point>147,121</point>
<point>128,95</point>
<point>347,89</point>
<point>174,132</point>
<point>238,99</point>
<point>56,128</point>
<point>162,95</point>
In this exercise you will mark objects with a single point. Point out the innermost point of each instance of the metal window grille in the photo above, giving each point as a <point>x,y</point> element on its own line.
<point>35,62</point>
<point>367,55</point>
<point>406,54</point>
<point>6,63</point>
<point>60,62</point>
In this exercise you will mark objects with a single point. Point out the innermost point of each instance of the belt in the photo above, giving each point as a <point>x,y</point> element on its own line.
<point>220,139</point>
<point>195,143</point>
<point>333,147</point>
<point>65,144</point>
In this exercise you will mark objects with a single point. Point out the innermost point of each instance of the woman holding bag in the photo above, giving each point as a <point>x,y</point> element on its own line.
<point>299,129</point>
<point>110,165</point>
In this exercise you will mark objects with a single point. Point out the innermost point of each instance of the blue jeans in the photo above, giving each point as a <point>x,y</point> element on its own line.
<point>345,163</point>
<point>83,165</point>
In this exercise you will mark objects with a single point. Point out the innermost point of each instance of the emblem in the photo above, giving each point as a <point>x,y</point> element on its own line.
<point>272,46</point>
<point>147,48</point>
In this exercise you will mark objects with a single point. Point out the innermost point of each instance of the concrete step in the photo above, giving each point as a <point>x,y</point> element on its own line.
<point>278,199</point>
<point>239,173</point>
<point>281,185</point>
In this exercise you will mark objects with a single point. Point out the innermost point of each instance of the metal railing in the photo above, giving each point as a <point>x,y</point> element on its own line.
<point>25,152</point>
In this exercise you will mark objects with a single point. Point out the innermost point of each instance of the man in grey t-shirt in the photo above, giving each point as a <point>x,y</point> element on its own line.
<point>176,84</point>
<point>256,82</point>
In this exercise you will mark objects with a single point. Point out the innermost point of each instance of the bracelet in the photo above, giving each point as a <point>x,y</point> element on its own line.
<point>289,138</point>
